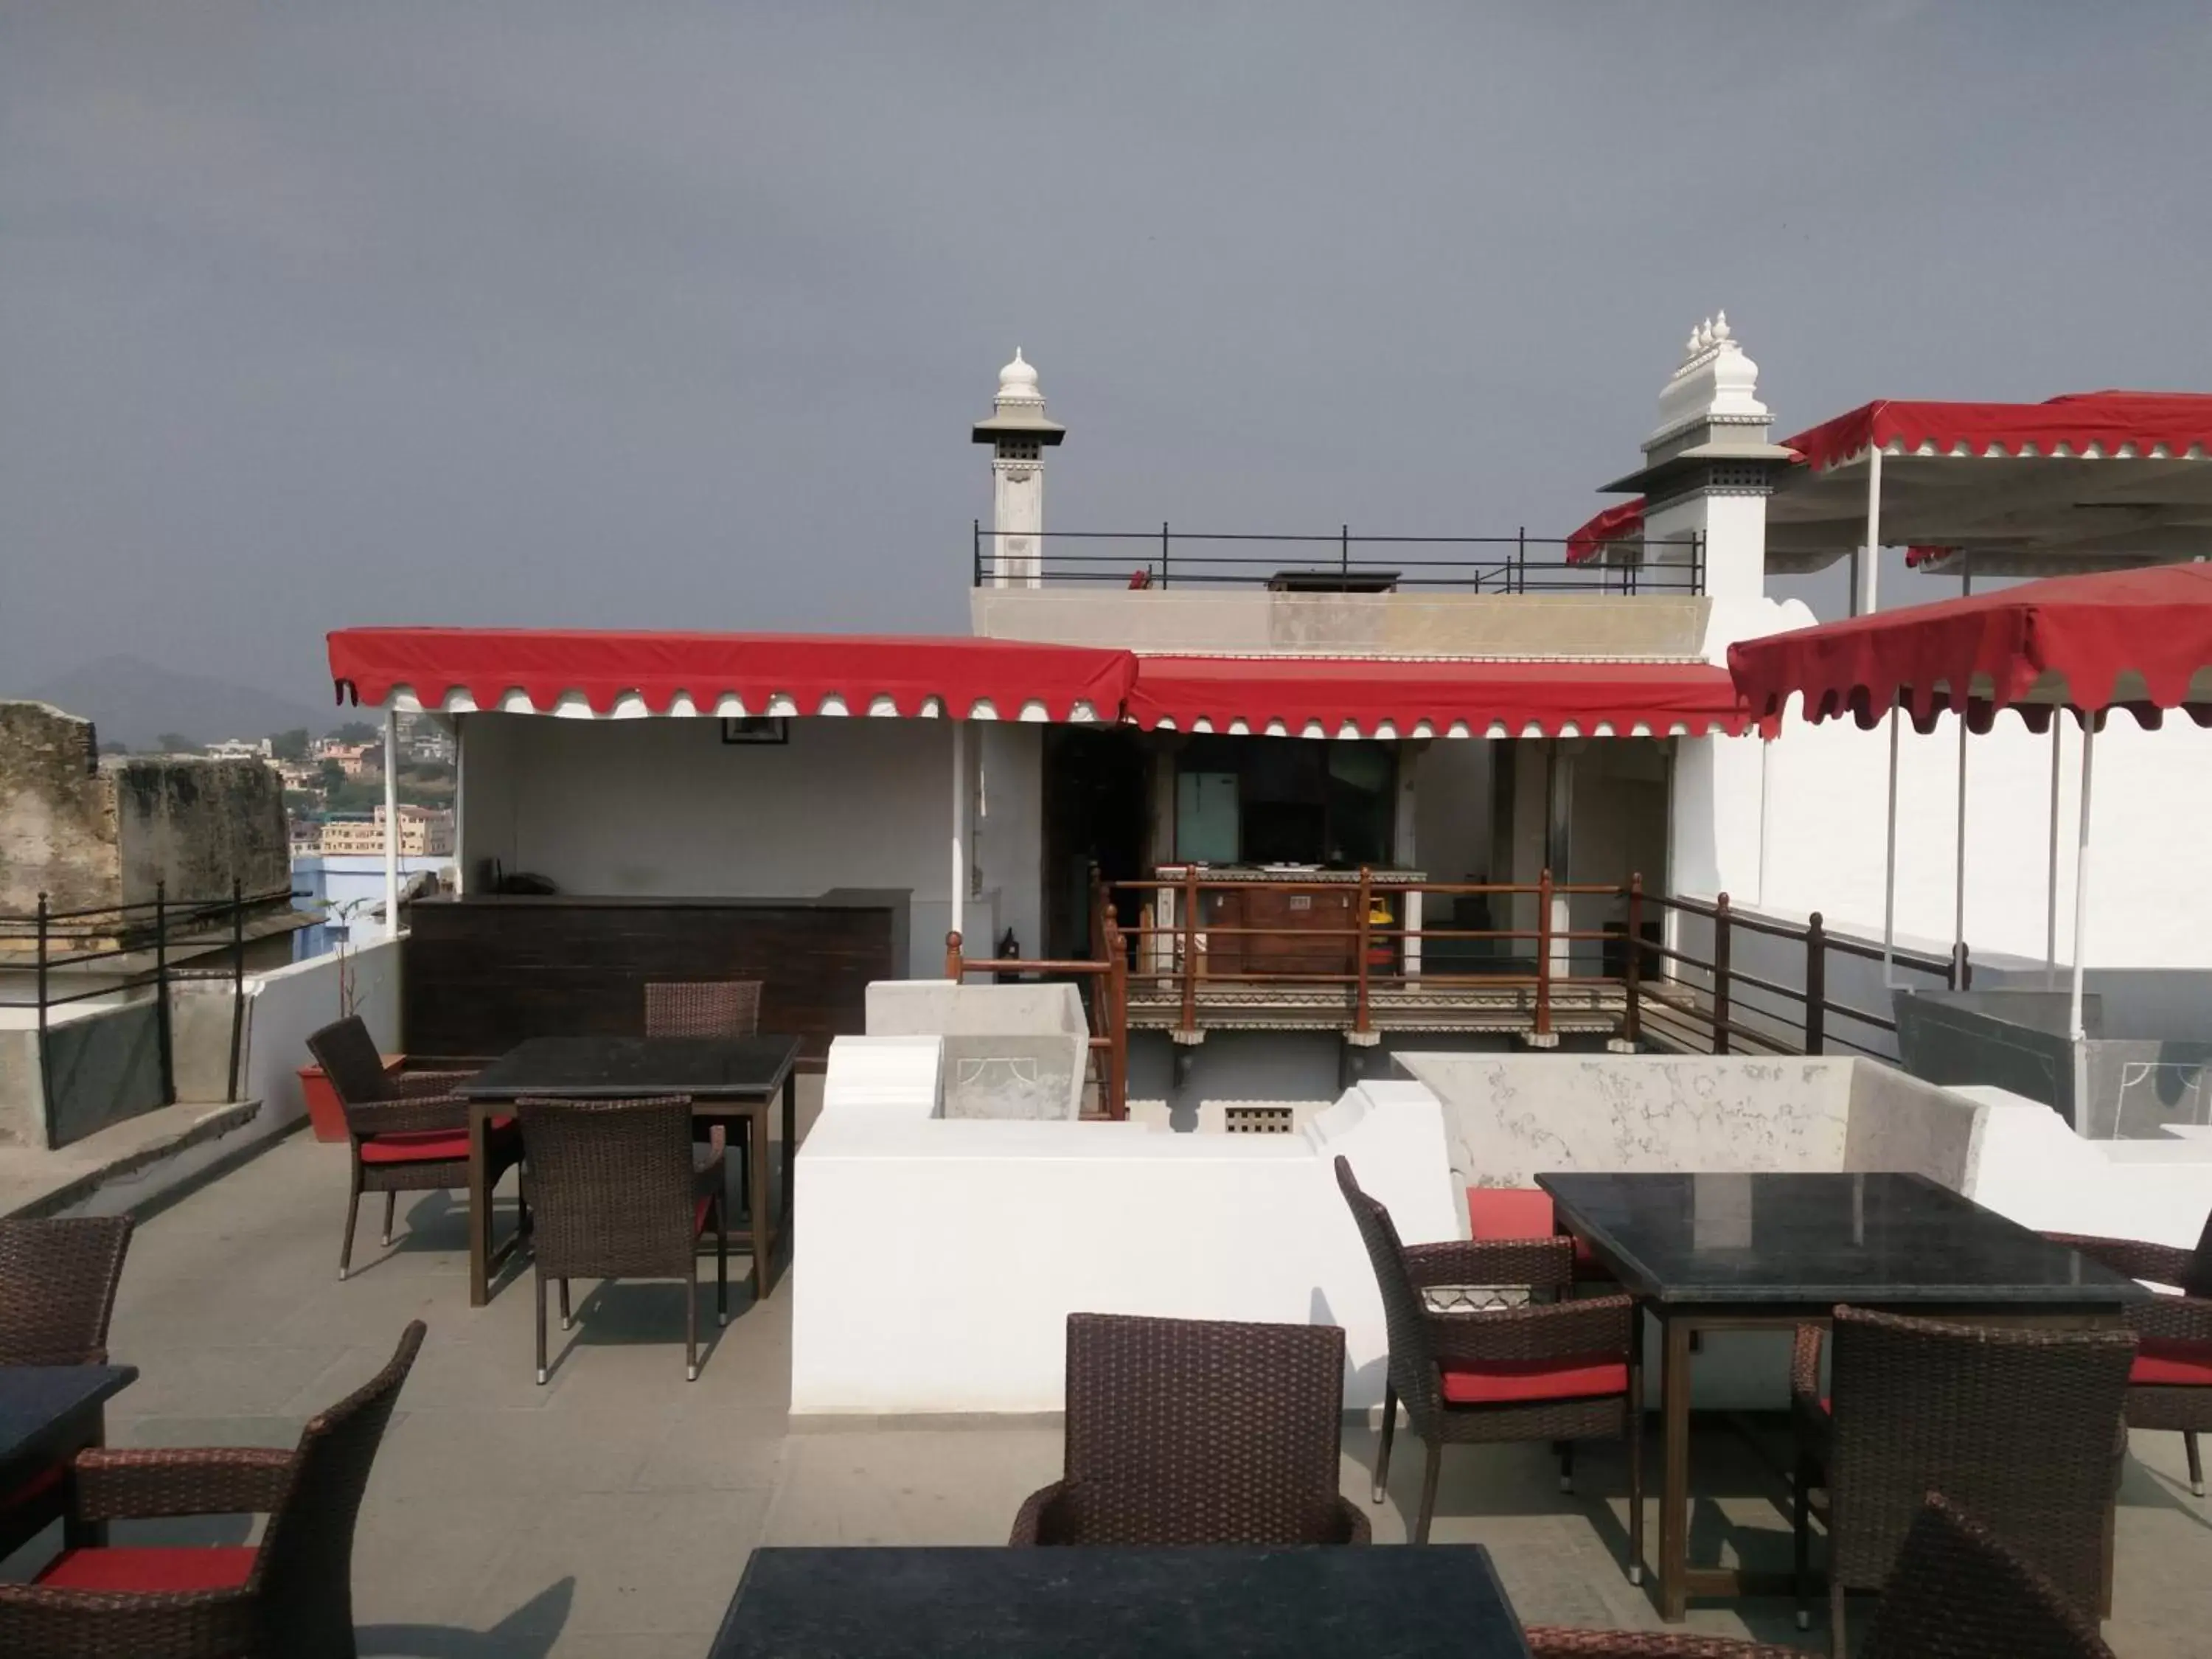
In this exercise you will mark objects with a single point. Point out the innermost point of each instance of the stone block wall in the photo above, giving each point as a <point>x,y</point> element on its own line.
<point>89,833</point>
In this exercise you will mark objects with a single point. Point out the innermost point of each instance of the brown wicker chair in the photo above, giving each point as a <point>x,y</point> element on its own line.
<point>292,1595</point>
<point>617,1192</point>
<point>1957,1592</point>
<point>2171,1386</point>
<point>58,1282</point>
<point>702,1008</point>
<point>1183,1431</point>
<point>408,1134</point>
<point>1561,1371</point>
<point>2019,1427</point>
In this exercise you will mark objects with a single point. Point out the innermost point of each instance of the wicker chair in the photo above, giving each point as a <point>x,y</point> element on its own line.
<point>1562,1372</point>
<point>408,1134</point>
<point>1957,1592</point>
<point>1183,1431</point>
<point>2171,1386</point>
<point>2019,1427</point>
<point>292,1595</point>
<point>58,1282</point>
<point>708,1008</point>
<point>617,1192</point>
<point>703,1008</point>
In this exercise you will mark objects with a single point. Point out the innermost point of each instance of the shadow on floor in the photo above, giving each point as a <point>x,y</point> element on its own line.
<point>528,1632</point>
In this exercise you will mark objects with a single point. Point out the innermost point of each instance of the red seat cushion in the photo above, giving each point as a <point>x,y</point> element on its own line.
<point>1506,1382</point>
<point>1516,1213</point>
<point>699,1216</point>
<point>425,1146</point>
<point>2173,1365</point>
<point>150,1571</point>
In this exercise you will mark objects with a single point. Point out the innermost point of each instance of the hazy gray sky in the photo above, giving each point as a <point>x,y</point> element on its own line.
<point>678,315</point>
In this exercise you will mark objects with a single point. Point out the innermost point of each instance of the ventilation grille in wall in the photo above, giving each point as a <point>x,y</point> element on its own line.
<point>1256,1120</point>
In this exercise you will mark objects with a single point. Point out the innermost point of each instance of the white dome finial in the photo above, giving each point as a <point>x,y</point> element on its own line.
<point>1721,330</point>
<point>1019,380</point>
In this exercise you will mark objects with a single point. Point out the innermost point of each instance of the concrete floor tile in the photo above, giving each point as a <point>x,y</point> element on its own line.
<point>641,1562</point>
<point>911,1485</point>
<point>514,1453</point>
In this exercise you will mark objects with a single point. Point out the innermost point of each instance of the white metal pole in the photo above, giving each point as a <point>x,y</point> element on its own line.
<point>959,826</point>
<point>461,806</point>
<point>1870,577</point>
<point>1889,867</point>
<point>1958,871</point>
<point>390,822</point>
<point>2051,908</point>
<point>2082,877</point>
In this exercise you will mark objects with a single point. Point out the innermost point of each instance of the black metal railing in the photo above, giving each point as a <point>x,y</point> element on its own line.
<point>74,943</point>
<point>1334,563</point>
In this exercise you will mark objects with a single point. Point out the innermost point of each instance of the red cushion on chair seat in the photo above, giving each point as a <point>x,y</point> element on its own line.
<point>1505,1381</point>
<point>425,1146</point>
<point>2161,1364</point>
<point>699,1216</point>
<point>150,1571</point>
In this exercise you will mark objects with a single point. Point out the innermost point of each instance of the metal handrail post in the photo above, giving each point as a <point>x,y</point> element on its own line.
<point>162,993</point>
<point>1816,985</point>
<point>1543,1027</point>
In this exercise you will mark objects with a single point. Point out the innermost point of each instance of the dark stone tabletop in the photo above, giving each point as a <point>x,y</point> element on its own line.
<point>619,1069</point>
<point>1217,1603</point>
<point>1812,1239</point>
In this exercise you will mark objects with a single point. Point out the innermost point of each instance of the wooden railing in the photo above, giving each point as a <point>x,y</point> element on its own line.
<point>1662,991</point>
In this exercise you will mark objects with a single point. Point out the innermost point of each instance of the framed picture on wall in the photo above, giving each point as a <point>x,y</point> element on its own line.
<point>756,728</point>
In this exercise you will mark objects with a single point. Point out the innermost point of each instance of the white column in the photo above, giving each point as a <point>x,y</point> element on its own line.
<point>1889,866</point>
<point>960,829</point>
<point>1404,853</point>
<point>1870,570</point>
<point>391,823</point>
<point>2082,884</point>
<point>2050,906</point>
<point>460,800</point>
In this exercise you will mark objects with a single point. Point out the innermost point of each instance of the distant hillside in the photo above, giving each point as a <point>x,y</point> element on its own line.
<point>133,702</point>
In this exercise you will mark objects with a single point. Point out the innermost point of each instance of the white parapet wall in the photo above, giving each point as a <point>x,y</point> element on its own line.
<point>943,1256</point>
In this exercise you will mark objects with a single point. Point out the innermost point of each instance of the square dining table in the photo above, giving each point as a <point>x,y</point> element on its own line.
<point>1442,1602</point>
<point>727,1079</point>
<point>48,1415</point>
<point>1772,1251</point>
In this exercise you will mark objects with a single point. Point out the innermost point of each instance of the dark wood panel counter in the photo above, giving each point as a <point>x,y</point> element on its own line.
<point>480,975</point>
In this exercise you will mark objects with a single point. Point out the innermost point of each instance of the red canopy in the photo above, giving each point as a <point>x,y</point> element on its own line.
<point>762,674</point>
<point>2141,639</point>
<point>2106,424</point>
<point>1307,697</point>
<point>1623,521</point>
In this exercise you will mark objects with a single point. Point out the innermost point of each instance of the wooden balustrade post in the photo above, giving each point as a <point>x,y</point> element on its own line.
<point>1632,1018</point>
<point>1721,974</point>
<point>1816,986</point>
<point>1543,1027</point>
<point>955,969</point>
<point>1190,950</point>
<point>1117,1015</point>
<point>1360,1023</point>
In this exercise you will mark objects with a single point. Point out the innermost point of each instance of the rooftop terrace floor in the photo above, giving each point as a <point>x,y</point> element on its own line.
<point>611,1512</point>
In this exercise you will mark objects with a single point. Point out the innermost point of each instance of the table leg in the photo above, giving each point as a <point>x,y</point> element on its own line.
<point>764,1227</point>
<point>479,1207</point>
<point>1675,1481</point>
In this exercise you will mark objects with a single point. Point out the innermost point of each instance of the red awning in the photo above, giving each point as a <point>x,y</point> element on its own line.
<point>2105,423</point>
<point>532,669</point>
<point>1622,521</point>
<point>1337,696</point>
<point>2141,639</point>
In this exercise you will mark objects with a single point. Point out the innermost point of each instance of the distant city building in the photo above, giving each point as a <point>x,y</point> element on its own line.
<point>240,749</point>
<point>353,758</point>
<point>424,832</point>
<point>425,742</point>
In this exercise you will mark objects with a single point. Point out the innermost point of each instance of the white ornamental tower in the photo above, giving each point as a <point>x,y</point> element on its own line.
<point>1708,467</point>
<point>1013,555</point>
